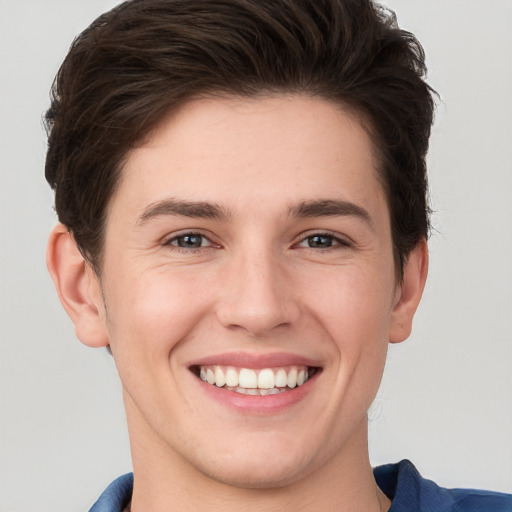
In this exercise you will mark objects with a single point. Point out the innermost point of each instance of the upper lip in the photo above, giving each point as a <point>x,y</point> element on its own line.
<point>255,361</point>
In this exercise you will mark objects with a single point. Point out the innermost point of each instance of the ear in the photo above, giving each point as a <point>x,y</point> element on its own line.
<point>409,293</point>
<point>78,287</point>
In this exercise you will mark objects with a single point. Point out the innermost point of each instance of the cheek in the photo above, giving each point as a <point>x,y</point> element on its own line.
<point>354,308</point>
<point>354,305</point>
<point>150,314</point>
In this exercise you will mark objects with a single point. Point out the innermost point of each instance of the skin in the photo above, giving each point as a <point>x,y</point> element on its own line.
<point>254,287</point>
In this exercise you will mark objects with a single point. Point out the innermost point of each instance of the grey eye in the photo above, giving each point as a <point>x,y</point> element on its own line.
<point>191,241</point>
<point>319,241</point>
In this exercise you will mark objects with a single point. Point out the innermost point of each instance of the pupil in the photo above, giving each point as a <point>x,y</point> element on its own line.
<point>320,241</point>
<point>189,241</point>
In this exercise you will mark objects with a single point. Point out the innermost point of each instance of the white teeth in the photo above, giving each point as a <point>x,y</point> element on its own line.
<point>248,379</point>
<point>220,380</point>
<point>210,376</point>
<point>281,378</point>
<point>266,379</point>
<point>231,377</point>
<point>252,391</point>
<point>292,378</point>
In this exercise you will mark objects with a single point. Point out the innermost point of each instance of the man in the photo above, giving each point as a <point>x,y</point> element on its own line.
<point>241,187</point>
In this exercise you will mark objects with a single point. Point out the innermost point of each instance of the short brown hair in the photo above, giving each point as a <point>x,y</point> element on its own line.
<point>134,64</point>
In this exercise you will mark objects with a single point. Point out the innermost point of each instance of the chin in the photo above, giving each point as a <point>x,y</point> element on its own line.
<point>257,461</point>
<point>270,473</point>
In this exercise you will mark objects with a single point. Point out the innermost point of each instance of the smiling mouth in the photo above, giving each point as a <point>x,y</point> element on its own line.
<point>262,382</point>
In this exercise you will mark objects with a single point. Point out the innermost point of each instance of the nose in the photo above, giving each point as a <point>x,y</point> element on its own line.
<point>257,295</point>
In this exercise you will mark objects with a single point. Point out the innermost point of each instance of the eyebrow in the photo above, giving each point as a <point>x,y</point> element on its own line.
<point>329,208</point>
<point>207,210</point>
<point>195,209</point>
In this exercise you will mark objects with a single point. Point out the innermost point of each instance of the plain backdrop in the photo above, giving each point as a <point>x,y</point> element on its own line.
<point>445,401</point>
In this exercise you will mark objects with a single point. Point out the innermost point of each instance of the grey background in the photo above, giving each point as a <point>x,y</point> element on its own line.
<point>445,401</point>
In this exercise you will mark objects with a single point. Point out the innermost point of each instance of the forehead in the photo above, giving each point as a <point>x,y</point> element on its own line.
<point>247,152</point>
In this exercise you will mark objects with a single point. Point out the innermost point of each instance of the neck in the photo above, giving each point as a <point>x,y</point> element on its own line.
<point>169,483</point>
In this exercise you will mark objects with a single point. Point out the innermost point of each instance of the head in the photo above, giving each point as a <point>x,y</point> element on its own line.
<point>144,59</point>
<point>245,183</point>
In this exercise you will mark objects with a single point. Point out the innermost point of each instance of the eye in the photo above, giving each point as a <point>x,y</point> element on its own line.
<point>319,241</point>
<point>322,241</point>
<point>189,241</point>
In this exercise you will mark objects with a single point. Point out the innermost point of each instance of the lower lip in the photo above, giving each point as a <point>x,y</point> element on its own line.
<point>263,404</point>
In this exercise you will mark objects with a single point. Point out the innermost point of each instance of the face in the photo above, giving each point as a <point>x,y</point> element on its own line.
<point>249,288</point>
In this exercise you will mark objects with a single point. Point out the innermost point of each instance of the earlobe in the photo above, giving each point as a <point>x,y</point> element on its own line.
<point>410,292</point>
<point>78,287</point>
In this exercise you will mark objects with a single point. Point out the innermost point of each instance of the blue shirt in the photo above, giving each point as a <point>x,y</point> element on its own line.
<point>409,492</point>
<point>401,482</point>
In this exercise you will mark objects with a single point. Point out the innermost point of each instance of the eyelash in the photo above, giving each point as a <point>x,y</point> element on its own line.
<point>191,234</point>
<point>335,242</point>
